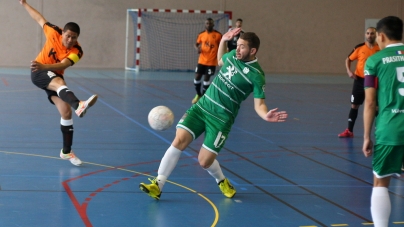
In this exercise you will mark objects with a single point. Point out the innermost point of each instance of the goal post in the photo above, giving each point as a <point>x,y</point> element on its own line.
<point>163,39</point>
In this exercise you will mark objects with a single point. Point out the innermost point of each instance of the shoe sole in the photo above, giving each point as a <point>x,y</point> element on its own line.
<point>91,101</point>
<point>70,161</point>
<point>75,164</point>
<point>230,196</point>
<point>145,190</point>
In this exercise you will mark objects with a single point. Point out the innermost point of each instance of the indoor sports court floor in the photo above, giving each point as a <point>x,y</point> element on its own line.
<point>291,174</point>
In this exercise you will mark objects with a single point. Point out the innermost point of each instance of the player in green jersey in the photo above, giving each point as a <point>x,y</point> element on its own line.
<point>214,114</point>
<point>384,86</point>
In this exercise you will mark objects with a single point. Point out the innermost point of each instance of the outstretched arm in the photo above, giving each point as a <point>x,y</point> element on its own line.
<point>272,115</point>
<point>223,47</point>
<point>33,13</point>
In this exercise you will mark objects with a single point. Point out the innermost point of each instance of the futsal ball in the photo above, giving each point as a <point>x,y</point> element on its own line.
<point>160,118</point>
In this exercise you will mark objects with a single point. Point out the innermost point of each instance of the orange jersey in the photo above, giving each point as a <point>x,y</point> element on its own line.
<point>209,46</point>
<point>361,52</point>
<point>54,51</point>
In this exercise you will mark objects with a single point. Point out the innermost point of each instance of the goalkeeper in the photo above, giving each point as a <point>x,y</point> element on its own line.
<point>206,44</point>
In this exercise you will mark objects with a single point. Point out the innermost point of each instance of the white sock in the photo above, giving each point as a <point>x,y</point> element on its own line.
<point>215,171</point>
<point>380,206</point>
<point>167,165</point>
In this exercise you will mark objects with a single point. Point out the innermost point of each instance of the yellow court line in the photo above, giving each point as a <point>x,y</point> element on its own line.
<point>339,225</point>
<point>216,219</point>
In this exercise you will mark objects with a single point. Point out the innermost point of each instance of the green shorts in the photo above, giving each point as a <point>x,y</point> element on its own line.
<point>196,121</point>
<point>387,160</point>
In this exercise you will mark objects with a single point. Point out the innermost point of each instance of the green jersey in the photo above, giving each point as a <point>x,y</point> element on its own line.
<point>385,72</point>
<point>235,81</point>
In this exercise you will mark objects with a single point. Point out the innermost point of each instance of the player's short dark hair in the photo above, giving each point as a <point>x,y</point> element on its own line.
<point>72,27</point>
<point>371,27</point>
<point>210,19</point>
<point>239,19</point>
<point>252,39</point>
<point>392,26</point>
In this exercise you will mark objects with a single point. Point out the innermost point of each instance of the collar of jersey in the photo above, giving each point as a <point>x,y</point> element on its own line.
<point>395,45</point>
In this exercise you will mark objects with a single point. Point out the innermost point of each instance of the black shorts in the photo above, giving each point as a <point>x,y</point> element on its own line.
<point>205,70</point>
<point>358,91</point>
<point>42,79</point>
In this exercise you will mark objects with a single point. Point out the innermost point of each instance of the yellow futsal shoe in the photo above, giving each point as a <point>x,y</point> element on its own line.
<point>152,189</point>
<point>195,100</point>
<point>226,188</point>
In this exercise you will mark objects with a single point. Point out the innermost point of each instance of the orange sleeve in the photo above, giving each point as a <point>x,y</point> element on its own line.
<point>354,54</point>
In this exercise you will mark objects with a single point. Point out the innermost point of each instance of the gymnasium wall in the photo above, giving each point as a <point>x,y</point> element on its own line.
<point>297,36</point>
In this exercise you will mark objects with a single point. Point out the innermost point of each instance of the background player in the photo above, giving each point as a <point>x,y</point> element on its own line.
<point>206,44</point>
<point>61,50</point>
<point>361,52</point>
<point>215,113</point>
<point>232,44</point>
<point>384,86</point>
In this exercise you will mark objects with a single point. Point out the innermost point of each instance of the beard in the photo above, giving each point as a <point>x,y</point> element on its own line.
<point>245,58</point>
<point>370,40</point>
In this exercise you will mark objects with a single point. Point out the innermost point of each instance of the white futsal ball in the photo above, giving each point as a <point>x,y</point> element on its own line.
<point>160,118</point>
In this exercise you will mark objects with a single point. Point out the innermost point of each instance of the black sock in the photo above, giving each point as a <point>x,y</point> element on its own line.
<point>198,87</point>
<point>353,114</point>
<point>68,96</point>
<point>67,132</point>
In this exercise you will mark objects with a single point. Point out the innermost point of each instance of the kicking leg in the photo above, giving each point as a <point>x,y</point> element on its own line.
<point>182,139</point>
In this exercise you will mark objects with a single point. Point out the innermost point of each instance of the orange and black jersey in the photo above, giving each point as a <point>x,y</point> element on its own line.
<point>53,51</point>
<point>361,52</point>
<point>209,42</point>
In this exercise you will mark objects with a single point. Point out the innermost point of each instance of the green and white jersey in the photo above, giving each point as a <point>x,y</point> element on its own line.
<point>385,71</point>
<point>235,81</point>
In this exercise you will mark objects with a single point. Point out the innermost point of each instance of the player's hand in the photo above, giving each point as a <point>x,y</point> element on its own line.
<point>351,75</point>
<point>22,2</point>
<point>230,34</point>
<point>276,116</point>
<point>35,66</point>
<point>367,147</point>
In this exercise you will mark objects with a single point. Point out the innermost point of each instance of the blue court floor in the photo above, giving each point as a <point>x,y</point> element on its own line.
<point>292,174</point>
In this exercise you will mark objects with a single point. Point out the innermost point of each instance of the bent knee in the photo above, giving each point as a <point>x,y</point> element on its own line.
<point>182,139</point>
<point>180,144</point>
<point>205,163</point>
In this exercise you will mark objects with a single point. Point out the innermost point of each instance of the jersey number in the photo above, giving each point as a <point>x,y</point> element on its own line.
<point>400,77</point>
<point>220,138</point>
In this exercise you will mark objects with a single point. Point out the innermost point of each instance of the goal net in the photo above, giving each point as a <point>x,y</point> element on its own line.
<point>164,39</point>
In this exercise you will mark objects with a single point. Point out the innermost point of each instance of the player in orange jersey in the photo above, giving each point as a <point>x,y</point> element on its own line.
<point>361,52</point>
<point>61,50</point>
<point>207,45</point>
